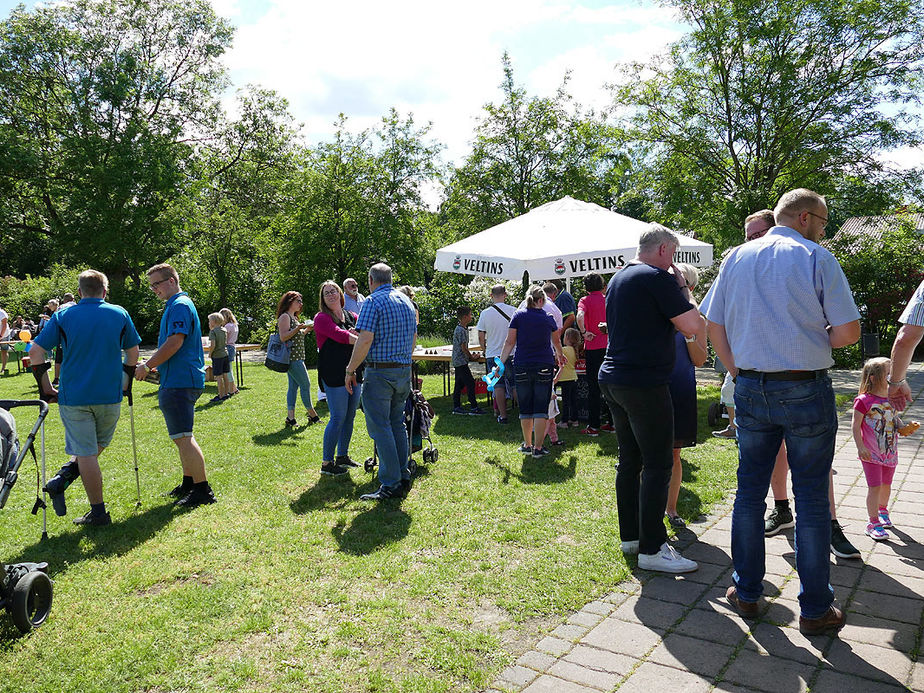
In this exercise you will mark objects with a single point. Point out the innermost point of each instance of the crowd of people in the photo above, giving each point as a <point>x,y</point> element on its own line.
<point>779,305</point>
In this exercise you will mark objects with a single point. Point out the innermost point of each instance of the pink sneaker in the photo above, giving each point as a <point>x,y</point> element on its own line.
<point>876,532</point>
<point>590,432</point>
<point>884,518</point>
<point>607,428</point>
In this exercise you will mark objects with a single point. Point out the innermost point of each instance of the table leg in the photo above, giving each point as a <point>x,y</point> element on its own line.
<point>239,367</point>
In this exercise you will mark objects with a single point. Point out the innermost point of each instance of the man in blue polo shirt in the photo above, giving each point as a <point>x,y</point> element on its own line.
<point>387,330</point>
<point>181,365</point>
<point>93,334</point>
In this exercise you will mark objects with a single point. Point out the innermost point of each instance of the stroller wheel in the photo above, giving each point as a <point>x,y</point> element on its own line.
<point>31,601</point>
<point>434,454</point>
<point>369,464</point>
<point>411,467</point>
<point>427,456</point>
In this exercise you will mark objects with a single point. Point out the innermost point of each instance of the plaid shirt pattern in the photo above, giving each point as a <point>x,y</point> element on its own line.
<point>914,311</point>
<point>389,316</point>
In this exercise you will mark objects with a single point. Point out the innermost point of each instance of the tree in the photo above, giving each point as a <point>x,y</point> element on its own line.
<point>99,102</point>
<point>356,201</point>
<point>761,97</point>
<point>529,151</point>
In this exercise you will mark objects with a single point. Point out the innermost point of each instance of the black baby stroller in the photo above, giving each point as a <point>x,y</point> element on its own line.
<point>25,588</point>
<point>417,417</point>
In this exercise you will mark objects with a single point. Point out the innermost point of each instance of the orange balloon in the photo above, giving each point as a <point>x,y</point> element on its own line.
<point>25,335</point>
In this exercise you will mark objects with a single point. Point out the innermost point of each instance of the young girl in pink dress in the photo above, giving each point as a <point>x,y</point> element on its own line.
<point>876,426</point>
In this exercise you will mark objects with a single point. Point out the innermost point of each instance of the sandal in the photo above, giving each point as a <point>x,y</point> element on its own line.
<point>676,521</point>
<point>312,419</point>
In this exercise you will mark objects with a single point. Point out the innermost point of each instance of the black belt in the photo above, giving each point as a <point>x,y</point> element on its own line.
<point>783,375</point>
<point>386,364</point>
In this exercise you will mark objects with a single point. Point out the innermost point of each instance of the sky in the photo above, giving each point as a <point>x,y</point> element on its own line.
<point>439,60</point>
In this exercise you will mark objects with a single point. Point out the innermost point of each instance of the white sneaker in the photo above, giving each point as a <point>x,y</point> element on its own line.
<point>629,547</point>
<point>667,560</point>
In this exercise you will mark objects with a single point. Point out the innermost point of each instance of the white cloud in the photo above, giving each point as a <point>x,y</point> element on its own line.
<point>439,60</point>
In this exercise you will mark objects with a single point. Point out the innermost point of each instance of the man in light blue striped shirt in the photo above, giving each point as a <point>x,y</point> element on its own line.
<point>909,336</point>
<point>777,308</point>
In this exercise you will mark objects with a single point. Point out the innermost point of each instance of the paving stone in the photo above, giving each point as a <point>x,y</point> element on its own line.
<point>879,631</point>
<point>704,553</point>
<point>570,632</point>
<point>602,660</point>
<point>517,675</point>
<point>654,677</point>
<point>894,608</point>
<point>585,619</point>
<point>763,672</point>
<point>917,677</point>
<point>690,654</point>
<point>835,682</point>
<point>673,589</point>
<point>718,537</point>
<point>787,643</point>
<point>649,612</point>
<point>869,661</point>
<point>782,612</point>
<point>708,573</point>
<point>585,676</point>
<point>898,565</point>
<point>781,565</point>
<point>599,607</point>
<point>553,646</point>
<point>712,626</point>
<point>623,637</point>
<point>551,684</point>
<point>846,572</point>
<point>540,661</point>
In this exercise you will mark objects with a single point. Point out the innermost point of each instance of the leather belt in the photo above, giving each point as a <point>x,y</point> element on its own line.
<point>386,364</point>
<point>783,375</point>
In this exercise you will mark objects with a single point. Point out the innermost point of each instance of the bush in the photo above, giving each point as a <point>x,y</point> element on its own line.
<point>27,297</point>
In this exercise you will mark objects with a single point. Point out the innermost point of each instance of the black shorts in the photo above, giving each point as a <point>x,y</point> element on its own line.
<point>221,365</point>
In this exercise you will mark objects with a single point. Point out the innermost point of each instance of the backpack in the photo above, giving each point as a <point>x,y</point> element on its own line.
<point>9,444</point>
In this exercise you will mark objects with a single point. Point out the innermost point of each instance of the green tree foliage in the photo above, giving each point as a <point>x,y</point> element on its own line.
<point>357,200</point>
<point>99,102</point>
<point>883,271</point>
<point>529,150</point>
<point>761,97</point>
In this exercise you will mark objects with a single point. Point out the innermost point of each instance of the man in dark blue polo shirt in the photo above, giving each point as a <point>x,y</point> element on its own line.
<point>387,330</point>
<point>181,365</point>
<point>93,334</point>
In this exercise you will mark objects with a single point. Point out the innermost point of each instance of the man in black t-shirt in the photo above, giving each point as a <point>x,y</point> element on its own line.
<point>644,307</point>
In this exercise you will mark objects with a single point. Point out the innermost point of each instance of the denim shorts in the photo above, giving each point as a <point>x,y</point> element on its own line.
<point>178,405</point>
<point>534,390</point>
<point>220,366</point>
<point>87,428</point>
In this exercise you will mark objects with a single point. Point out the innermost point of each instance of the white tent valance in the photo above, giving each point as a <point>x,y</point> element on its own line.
<point>565,238</point>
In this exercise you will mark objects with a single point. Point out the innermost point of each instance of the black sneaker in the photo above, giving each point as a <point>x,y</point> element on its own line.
<point>94,520</point>
<point>333,470</point>
<point>459,410</point>
<point>197,497</point>
<point>779,518</point>
<point>840,546</point>
<point>179,491</point>
<point>383,493</point>
<point>345,461</point>
<point>502,420</point>
<point>541,452</point>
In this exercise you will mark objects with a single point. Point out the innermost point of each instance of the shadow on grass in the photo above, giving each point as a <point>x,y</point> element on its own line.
<point>382,524</point>
<point>81,544</point>
<point>280,437</point>
<point>542,470</point>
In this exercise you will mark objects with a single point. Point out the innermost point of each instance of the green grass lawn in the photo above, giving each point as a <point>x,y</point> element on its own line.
<point>290,583</point>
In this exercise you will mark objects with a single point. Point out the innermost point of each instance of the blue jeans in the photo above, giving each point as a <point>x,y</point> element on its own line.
<point>534,390</point>
<point>298,383</point>
<point>385,390</point>
<point>339,430</point>
<point>801,412</point>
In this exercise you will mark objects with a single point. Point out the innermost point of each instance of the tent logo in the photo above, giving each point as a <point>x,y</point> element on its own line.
<point>457,263</point>
<point>559,266</point>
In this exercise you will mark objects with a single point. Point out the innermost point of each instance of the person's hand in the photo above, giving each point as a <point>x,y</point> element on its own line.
<point>678,275</point>
<point>349,381</point>
<point>864,454</point>
<point>140,372</point>
<point>900,395</point>
<point>588,335</point>
<point>307,327</point>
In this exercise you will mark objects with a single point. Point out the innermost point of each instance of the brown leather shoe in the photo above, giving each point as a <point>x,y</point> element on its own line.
<point>744,609</point>
<point>833,619</point>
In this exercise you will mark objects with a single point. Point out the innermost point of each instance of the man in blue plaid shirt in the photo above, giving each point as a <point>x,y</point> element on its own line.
<point>909,336</point>
<point>387,331</point>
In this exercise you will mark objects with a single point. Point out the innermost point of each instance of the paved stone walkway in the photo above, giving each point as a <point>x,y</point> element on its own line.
<point>665,634</point>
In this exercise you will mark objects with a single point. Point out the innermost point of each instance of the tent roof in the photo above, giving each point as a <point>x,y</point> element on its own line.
<point>565,238</point>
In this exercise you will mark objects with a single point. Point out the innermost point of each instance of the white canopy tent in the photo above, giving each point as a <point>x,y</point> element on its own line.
<point>566,238</point>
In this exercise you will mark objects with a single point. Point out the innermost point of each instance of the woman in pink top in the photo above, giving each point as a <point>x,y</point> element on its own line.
<point>591,312</point>
<point>335,331</point>
<point>232,329</point>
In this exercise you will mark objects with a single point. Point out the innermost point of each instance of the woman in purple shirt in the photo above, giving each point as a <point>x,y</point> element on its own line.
<point>538,344</point>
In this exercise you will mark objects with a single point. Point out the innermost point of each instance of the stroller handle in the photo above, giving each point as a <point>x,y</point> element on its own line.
<point>13,403</point>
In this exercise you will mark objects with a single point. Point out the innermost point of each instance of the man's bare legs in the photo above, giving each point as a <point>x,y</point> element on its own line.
<point>91,476</point>
<point>191,457</point>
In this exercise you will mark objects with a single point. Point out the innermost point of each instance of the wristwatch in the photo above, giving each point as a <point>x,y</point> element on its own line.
<point>146,367</point>
<point>350,373</point>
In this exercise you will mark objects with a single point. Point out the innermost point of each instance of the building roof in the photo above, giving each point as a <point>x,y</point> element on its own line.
<point>873,227</point>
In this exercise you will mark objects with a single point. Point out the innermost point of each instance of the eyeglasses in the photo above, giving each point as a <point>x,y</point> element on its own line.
<point>296,300</point>
<point>330,292</point>
<point>824,220</point>
<point>755,236</point>
<point>154,285</point>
